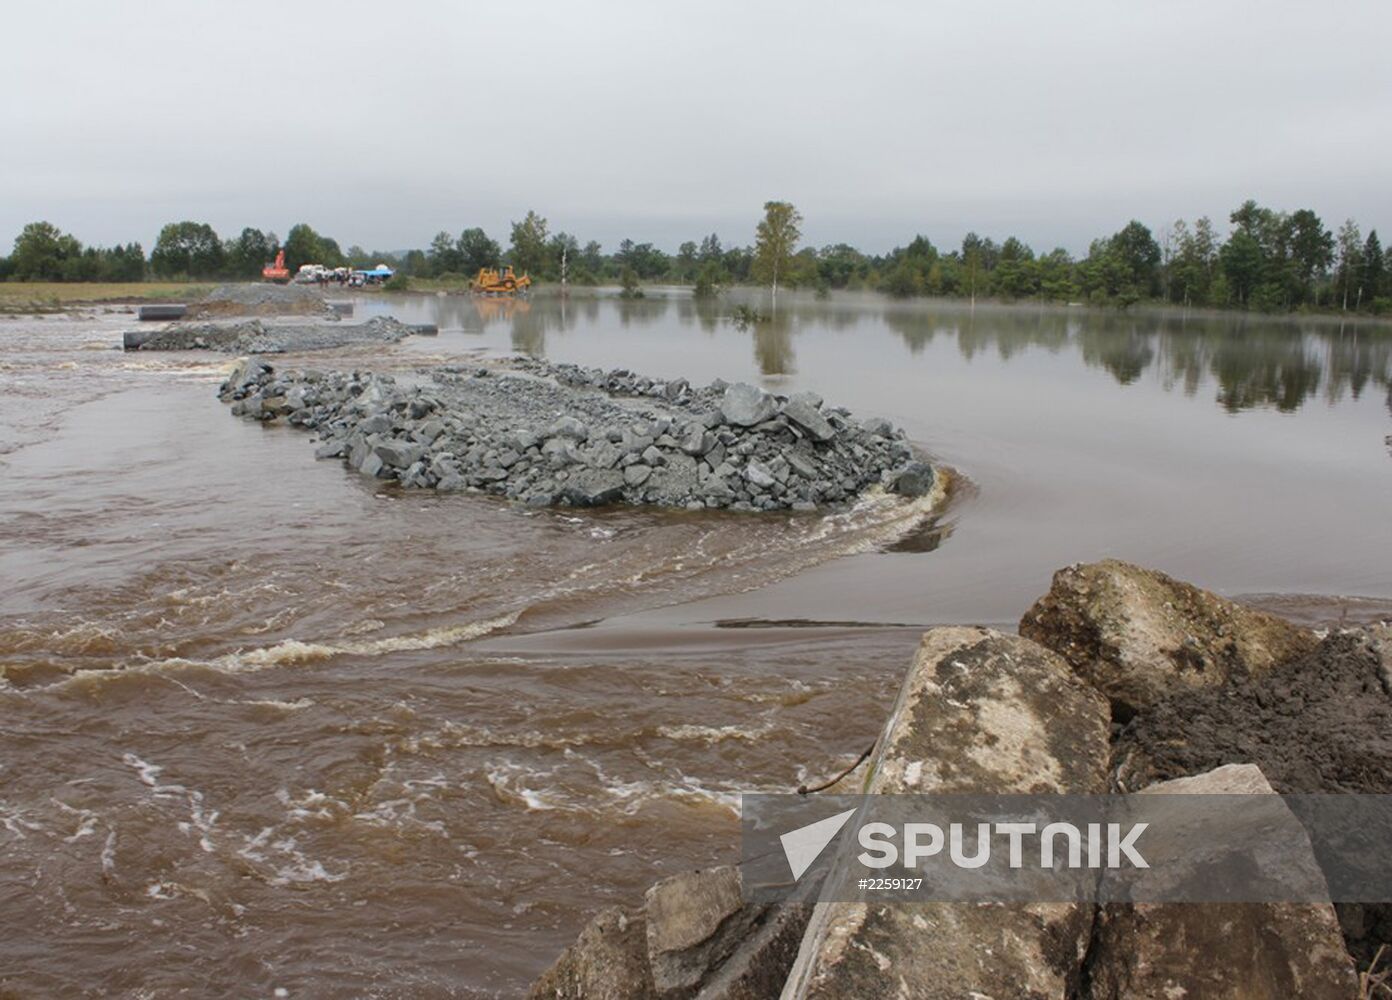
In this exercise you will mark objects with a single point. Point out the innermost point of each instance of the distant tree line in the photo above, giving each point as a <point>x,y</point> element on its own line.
<point>1268,260</point>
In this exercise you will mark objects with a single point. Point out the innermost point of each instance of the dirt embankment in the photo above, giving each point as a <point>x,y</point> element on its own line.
<point>261,300</point>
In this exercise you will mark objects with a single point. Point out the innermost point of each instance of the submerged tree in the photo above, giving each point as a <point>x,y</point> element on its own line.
<point>630,288</point>
<point>708,280</point>
<point>775,242</point>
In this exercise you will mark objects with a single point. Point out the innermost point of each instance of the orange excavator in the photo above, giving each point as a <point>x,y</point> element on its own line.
<point>278,271</point>
<point>491,281</point>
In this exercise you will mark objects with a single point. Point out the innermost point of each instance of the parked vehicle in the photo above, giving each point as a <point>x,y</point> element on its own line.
<point>276,271</point>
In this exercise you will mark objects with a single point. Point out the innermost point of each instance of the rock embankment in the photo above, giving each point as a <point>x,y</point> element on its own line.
<point>1137,635</point>
<point>258,336</point>
<point>1127,679</point>
<point>544,435</point>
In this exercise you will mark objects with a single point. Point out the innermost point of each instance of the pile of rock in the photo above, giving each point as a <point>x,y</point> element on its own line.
<point>262,300</point>
<point>1122,679</point>
<point>538,434</point>
<point>257,336</point>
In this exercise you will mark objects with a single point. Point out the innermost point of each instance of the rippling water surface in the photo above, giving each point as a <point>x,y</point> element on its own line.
<point>269,725</point>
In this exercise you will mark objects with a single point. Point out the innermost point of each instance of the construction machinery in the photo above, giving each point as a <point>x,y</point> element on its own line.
<point>491,281</point>
<point>277,272</point>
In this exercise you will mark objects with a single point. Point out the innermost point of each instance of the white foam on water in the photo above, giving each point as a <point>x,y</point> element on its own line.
<point>108,853</point>
<point>509,785</point>
<point>87,821</point>
<point>201,819</point>
<point>714,734</point>
<point>14,820</point>
<point>298,705</point>
<point>292,652</point>
<point>311,805</point>
<point>289,865</point>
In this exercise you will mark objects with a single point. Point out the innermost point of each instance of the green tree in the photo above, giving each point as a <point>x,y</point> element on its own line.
<point>1374,271</point>
<point>842,265</point>
<point>1348,271</point>
<point>444,255</point>
<point>1055,273</point>
<point>121,263</point>
<point>1242,261</point>
<point>708,280</point>
<point>1311,250</point>
<point>189,249</point>
<point>775,241</point>
<point>529,251</point>
<point>1138,253</point>
<point>591,267</point>
<point>685,264</point>
<point>414,263</point>
<point>977,255</point>
<point>629,287</point>
<point>904,280</point>
<point>477,251</point>
<point>562,251</point>
<point>1015,274</point>
<point>41,251</point>
<point>249,253</point>
<point>304,246</point>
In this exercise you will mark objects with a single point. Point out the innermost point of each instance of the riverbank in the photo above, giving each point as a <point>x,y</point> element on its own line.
<point>39,297</point>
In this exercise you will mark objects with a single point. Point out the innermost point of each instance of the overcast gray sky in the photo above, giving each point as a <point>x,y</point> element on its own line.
<point>382,123</point>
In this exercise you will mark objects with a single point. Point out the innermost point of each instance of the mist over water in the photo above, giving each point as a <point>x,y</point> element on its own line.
<point>270,724</point>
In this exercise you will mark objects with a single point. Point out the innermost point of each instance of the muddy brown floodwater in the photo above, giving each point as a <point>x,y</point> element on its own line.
<point>269,726</point>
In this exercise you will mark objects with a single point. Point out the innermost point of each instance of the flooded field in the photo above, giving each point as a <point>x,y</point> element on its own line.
<point>269,725</point>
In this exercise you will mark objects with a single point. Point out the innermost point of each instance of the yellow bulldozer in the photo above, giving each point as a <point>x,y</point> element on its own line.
<point>491,281</point>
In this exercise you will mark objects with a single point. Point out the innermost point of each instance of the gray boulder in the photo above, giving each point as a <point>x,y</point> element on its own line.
<point>398,454</point>
<point>695,920</point>
<point>695,439</point>
<point>809,418</point>
<point>372,465</point>
<point>378,423</point>
<point>1256,951</point>
<point>560,452</point>
<point>653,456</point>
<point>570,427</point>
<point>914,480</point>
<point>745,405</point>
<point>982,713</point>
<point>1139,635</point>
<point>801,465</point>
<point>608,961</point>
<point>759,475</point>
<point>602,455</point>
<point>593,487</point>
